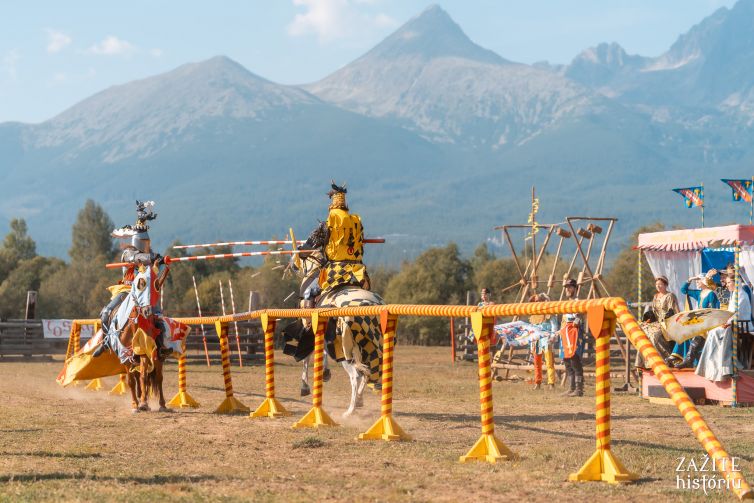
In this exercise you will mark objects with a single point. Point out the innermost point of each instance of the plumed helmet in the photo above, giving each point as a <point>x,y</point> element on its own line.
<point>337,196</point>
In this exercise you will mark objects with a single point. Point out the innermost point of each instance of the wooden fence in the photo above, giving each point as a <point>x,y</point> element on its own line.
<point>24,339</point>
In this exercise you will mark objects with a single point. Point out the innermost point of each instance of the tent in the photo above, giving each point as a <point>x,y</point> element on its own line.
<point>681,254</point>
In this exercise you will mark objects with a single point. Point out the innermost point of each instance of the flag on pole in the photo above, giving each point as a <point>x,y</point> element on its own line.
<point>742,189</point>
<point>692,196</point>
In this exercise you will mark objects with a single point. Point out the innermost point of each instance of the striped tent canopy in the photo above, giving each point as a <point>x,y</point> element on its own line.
<point>697,239</point>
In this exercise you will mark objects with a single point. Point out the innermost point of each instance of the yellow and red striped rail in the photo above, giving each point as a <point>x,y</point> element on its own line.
<point>602,317</point>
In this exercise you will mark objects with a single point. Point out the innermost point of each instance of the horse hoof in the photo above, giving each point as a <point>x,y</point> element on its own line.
<point>135,410</point>
<point>144,407</point>
<point>165,409</point>
<point>305,391</point>
<point>347,414</point>
<point>326,375</point>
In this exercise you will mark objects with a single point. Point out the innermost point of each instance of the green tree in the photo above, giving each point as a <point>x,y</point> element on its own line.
<point>80,289</point>
<point>379,278</point>
<point>28,275</point>
<point>17,246</point>
<point>481,256</point>
<point>437,276</point>
<point>622,276</point>
<point>91,238</point>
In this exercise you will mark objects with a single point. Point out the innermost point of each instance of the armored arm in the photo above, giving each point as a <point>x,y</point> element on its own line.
<point>134,256</point>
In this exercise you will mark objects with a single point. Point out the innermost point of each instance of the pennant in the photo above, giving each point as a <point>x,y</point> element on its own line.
<point>742,189</point>
<point>692,196</point>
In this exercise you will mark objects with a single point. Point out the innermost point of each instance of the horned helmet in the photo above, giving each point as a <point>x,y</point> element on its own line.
<point>337,196</point>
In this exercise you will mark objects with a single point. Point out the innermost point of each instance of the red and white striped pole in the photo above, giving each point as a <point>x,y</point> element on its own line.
<point>262,243</point>
<point>199,307</point>
<point>235,323</point>
<point>192,258</point>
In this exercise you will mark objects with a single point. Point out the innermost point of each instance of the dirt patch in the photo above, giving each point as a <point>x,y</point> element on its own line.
<point>73,444</point>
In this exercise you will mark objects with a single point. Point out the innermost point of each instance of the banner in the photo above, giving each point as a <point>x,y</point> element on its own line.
<point>741,188</point>
<point>692,196</point>
<point>61,329</point>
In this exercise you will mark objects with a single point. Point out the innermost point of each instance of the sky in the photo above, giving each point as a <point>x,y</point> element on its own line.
<point>53,54</point>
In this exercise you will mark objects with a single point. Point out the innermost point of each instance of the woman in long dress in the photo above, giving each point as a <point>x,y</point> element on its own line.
<point>664,304</point>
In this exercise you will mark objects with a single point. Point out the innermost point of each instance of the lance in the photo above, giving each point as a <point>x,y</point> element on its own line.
<point>170,260</point>
<point>263,243</point>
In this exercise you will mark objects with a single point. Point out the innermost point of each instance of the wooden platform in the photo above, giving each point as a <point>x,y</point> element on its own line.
<point>701,390</point>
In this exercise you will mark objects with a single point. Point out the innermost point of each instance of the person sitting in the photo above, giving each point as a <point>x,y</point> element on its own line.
<point>716,359</point>
<point>684,354</point>
<point>664,305</point>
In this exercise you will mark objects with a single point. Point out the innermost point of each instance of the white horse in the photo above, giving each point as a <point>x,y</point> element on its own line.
<point>359,339</point>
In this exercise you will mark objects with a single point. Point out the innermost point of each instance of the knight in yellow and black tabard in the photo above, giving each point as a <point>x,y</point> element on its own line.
<point>343,238</point>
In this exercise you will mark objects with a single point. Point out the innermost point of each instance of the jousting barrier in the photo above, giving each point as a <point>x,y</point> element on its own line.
<point>603,315</point>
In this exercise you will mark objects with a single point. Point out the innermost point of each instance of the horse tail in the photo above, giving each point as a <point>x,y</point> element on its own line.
<point>152,383</point>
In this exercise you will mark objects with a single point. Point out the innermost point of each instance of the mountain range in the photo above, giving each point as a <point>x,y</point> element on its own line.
<point>438,139</point>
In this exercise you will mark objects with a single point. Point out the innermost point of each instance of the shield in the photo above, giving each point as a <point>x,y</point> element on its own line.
<point>688,324</point>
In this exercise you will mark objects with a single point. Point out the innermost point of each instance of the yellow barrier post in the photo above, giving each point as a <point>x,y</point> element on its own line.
<point>386,428</point>
<point>317,417</point>
<point>488,448</point>
<point>94,385</point>
<point>121,388</point>
<point>270,407</point>
<point>735,479</point>
<point>182,399</point>
<point>602,465</point>
<point>231,404</point>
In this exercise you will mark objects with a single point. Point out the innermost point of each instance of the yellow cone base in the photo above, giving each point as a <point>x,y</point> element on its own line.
<point>183,400</point>
<point>386,429</point>
<point>315,418</point>
<point>605,467</point>
<point>270,408</point>
<point>94,385</point>
<point>231,406</point>
<point>119,389</point>
<point>488,448</point>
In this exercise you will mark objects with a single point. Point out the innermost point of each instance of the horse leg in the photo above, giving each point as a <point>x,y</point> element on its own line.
<point>158,368</point>
<point>353,376</point>
<point>133,385</point>
<point>305,390</point>
<point>143,402</point>
<point>360,390</point>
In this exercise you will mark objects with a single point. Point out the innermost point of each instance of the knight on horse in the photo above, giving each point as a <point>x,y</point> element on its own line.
<point>335,276</point>
<point>138,255</point>
<point>135,338</point>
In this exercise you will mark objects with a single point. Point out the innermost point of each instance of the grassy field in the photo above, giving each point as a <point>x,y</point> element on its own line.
<point>76,445</point>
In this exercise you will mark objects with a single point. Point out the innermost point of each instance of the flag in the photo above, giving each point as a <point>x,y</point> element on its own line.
<point>692,196</point>
<point>741,189</point>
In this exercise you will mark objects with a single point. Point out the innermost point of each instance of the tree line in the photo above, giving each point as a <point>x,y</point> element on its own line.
<point>441,275</point>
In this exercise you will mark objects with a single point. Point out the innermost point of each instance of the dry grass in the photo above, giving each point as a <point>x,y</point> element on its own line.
<point>71,444</point>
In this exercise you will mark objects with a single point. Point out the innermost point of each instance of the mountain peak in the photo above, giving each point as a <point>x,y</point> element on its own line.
<point>432,34</point>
